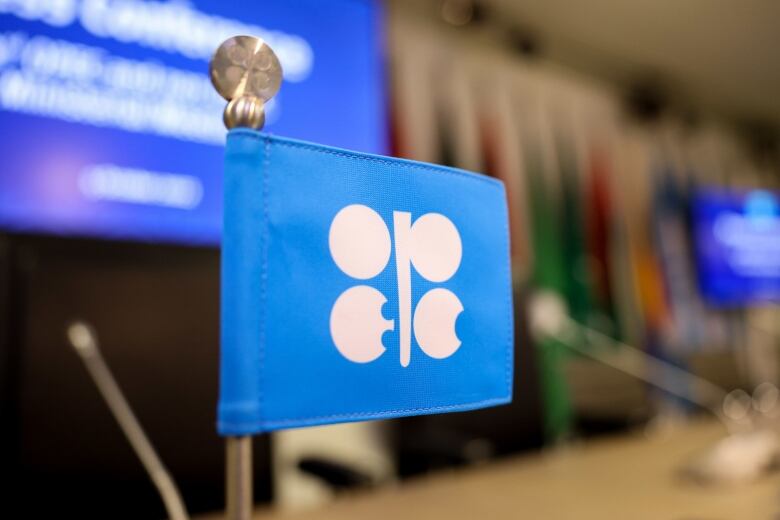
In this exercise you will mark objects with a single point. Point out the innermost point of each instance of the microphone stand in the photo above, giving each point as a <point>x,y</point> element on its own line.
<point>84,341</point>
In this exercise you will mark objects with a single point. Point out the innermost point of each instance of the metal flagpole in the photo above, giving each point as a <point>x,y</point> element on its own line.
<point>246,72</point>
<point>238,478</point>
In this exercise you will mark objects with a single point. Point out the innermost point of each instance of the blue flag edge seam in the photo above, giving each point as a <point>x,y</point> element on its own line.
<point>254,408</point>
<point>269,139</point>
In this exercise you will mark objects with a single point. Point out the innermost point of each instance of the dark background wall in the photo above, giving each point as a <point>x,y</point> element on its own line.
<point>156,311</point>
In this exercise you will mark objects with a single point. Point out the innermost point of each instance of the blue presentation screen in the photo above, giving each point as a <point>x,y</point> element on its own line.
<point>109,126</point>
<point>737,239</point>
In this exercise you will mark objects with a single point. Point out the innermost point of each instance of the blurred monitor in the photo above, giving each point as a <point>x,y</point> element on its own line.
<point>110,127</point>
<point>737,241</point>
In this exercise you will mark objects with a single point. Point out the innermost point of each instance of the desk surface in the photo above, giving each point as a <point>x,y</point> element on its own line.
<point>631,477</point>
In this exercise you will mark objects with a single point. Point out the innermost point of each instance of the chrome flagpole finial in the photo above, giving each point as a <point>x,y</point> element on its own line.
<point>246,72</point>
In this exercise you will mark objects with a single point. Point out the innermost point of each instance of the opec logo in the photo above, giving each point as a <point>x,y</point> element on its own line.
<point>360,245</point>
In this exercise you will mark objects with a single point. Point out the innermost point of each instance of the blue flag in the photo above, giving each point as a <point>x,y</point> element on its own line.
<point>358,287</point>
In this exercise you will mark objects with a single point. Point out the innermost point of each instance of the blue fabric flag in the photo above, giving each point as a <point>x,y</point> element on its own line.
<point>358,287</point>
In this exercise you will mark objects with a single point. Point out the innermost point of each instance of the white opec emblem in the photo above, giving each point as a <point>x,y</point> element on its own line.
<point>360,245</point>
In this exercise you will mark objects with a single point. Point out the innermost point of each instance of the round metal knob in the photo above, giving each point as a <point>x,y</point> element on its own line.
<point>245,66</point>
<point>245,111</point>
<point>246,72</point>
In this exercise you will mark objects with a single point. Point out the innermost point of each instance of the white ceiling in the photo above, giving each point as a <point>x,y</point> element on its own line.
<point>722,55</point>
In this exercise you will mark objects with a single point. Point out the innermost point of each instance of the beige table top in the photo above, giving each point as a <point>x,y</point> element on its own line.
<point>623,478</point>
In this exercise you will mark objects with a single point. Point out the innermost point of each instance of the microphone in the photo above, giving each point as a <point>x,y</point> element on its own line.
<point>84,341</point>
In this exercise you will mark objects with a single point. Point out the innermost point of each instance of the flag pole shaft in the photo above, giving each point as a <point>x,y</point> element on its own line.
<point>238,479</point>
<point>233,69</point>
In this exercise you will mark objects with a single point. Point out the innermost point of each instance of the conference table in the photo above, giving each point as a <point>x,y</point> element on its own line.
<point>629,477</point>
